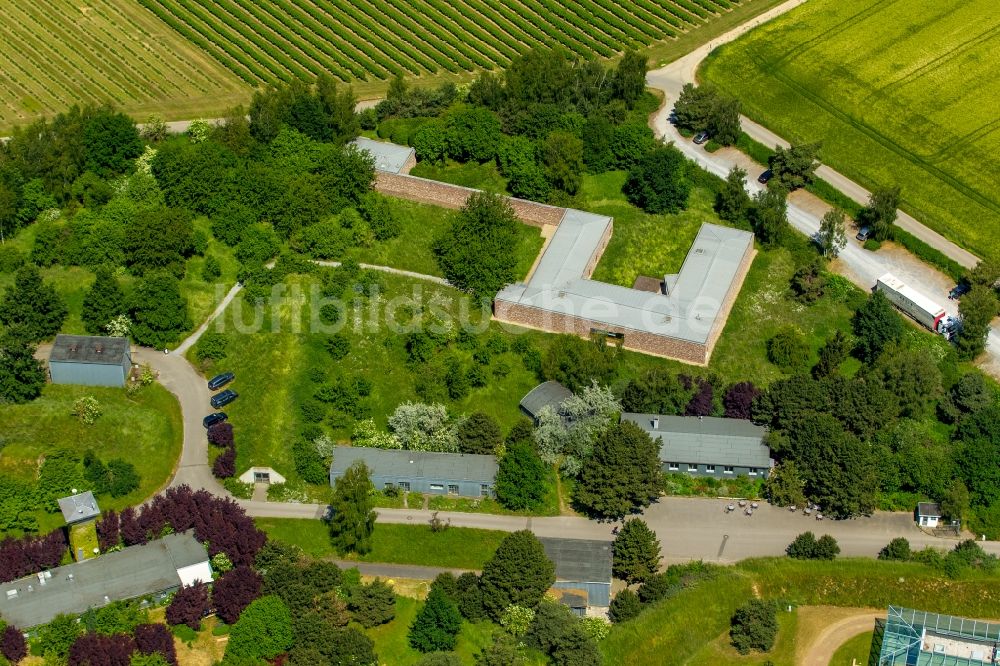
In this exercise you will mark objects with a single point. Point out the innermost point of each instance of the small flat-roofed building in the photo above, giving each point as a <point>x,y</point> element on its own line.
<point>389,157</point>
<point>917,638</point>
<point>583,572</point>
<point>459,474</point>
<point>546,394</point>
<point>154,569</point>
<point>928,514</point>
<point>90,360</point>
<point>79,508</point>
<point>707,446</point>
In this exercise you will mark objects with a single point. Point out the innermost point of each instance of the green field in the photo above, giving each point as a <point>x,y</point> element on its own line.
<point>855,650</point>
<point>898,92</point>
<point>144,429</point>
<point>56,53</point>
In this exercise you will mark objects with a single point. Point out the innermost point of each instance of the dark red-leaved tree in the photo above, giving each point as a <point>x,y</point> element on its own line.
<point>152,516</point>
<point>234,591</point>
<point>188,606</point>
<point>108,531</point>
<point>180,508</point>
<point>225,465</point>
<point>101,650</point>
<point>28,555</point>
<point>738,400</point>
<point>701,402</point>
<point>221,434</point>
<point>150,638</point>
<point>132,533</point>
<point>12,644</point>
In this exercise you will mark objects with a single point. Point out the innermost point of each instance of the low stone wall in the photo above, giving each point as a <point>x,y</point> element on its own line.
<point>447,195</point>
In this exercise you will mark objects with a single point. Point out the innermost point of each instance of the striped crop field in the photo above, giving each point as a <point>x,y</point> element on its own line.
<point>899,92</point>
<point>268,41</point>
<point>56,53</point>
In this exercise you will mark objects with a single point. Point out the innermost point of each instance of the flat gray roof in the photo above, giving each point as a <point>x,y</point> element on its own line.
<point>705,440</point>
<point>96,349</point>
<point>389,157</point>
<point>579,560</point>
<point>689,309</point>
<point>77,508</point>
<point>417,464</point>
<point>126,574</point>
<point>544,395</point>
<point>929,509</point>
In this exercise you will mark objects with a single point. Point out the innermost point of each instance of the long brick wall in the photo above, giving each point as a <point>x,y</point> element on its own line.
<point>447,195</point>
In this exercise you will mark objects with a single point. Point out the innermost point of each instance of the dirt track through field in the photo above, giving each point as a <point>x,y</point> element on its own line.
<point>822,648</point>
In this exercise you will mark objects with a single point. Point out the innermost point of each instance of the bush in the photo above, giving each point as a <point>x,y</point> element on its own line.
<point>211,269</point>
<point>754,626</point>
<point>372,604</point>
<point>224,466</point>
<point>188,606</point>
<point>788,349</point>
<point>807,547</point>
<point>211,345</point>
<point>624,606</point>
<point>872,245</point>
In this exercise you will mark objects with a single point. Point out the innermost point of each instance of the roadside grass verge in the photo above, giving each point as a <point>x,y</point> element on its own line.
<point>452,548</point>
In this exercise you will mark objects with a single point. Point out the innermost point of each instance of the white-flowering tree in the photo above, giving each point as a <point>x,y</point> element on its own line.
<point>423,427</point>
<point>566,434</point>
<point>199,130</point>
<point>144,163</point>
<point>119,327</point>
<point>367,434</point>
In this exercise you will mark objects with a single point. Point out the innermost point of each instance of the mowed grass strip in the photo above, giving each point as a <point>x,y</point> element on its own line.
<point>899,93</point>
<point>453,548</point>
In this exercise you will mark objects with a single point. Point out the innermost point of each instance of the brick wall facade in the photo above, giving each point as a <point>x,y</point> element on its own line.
<point>412,188</point>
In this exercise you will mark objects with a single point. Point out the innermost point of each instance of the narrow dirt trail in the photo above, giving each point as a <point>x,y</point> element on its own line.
<point>821,650</point>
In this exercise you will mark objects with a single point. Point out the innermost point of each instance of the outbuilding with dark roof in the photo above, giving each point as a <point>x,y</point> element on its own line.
<point>90,360</point>
<point>707,446</point>
<point>583,568</point>
<point>79,508</point>
<point>459,474</point>
<point>546,394</point>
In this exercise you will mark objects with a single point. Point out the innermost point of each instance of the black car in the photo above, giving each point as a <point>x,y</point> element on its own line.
<point>218,381</point>
<point>959,290</point>
<point>212,419</point>
<point>701,137</point>
<point>764,177</point>
<point>224,398</point>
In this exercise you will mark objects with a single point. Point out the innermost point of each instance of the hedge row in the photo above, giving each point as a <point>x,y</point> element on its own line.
<point>375,32</point>
<point>545,34</point>
<point>456,61</point>
<point>691,7</point>
<point>685,16</point>
<point>517,36</point>
<point>931,255</point>
<point>560,31</point>
<point>708,6</point>
<point>344,52</point>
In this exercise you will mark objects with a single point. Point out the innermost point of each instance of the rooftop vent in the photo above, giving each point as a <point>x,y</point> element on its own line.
<point>74,348</point>
<point>99,349</point>
<point>11,594</point>
<point>699,250</point>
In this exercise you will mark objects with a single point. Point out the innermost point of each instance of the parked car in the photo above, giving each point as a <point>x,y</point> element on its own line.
<point>212,419</point>
<point>764,177</point>
<point>218,381</point>
<point>864,233</point>
<point>959,290</point>
<point>224,398</point>
<point>701,137</point>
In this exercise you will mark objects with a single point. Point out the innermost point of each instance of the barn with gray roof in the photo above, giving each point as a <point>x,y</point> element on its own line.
<point>583,571</point>
<point>459,474</point>
<point>707,446</point>
<point>547,394</point>
<point>90,360</point>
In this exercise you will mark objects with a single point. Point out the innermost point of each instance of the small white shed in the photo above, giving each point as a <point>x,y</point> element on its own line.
<point>928,514</point>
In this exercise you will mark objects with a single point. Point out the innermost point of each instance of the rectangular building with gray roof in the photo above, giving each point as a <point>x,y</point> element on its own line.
<point>90,360</point>
<point>583,565</point>
<point>546,394</point>
<point>682,323</point>
<point>79,508</point>
<point>707,446</point>
<point>458,474</point>
<point>389,157</point>
<point>154,569</point>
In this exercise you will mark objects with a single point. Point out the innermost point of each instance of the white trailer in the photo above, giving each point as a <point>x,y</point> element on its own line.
<point>912,303</point>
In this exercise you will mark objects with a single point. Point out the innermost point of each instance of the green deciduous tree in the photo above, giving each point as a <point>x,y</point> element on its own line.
<point>658,182</point>
<point>880,213</point>
<point>732,202</point>
<point>977,308</point>
<point>628,81</point>
<point>436,625</point>
<point>562,155</point>
<point>103,302</point>
<point>897,549</point>
<point>622,474</point>
<point>263,631</point>
<point>793,167</point>
<point>876,325</point>
<point>22,376</point>
<point>521,477</point>
<point>159,240</point>
<point>788,349</point>
<point>476,253</point>
<point>636,552</point>
<point>353,520</point>
<point>832,237</point>
<point>158,311</point>
<point>784,486</point>
<point>32,306</point>
<point>372,603</point>
<point>110,141</point>
<point>769,215</point>
<point>518,573</point>
<point>754,626</point>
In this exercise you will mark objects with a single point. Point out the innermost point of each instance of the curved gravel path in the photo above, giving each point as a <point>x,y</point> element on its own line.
<point>823,647</point>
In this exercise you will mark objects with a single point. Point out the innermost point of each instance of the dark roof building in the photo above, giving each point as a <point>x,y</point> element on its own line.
<point>156,568</point>
<point>583,566</point>
<point>79,508</point>
<point>462,474</point>
<point>90,360</point>
<point>928,514</point>
<point>546,394</point>
<point>707,446</point>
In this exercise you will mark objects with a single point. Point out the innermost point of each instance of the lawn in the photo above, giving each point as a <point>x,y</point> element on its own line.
<point>899,93</point>
<point>144,429</point>
<point>688,626</point>
<point>853,651</point>
<point>453,548</point>
<point>721,651</point>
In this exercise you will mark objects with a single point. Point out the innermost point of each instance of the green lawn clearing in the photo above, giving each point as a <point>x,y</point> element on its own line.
<point>854,651</point>
<point>721,651</point>
<point>454,548</point>
<point>898,92</point>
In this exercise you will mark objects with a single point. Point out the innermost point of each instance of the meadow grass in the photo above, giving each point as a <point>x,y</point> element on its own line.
<point>897,93</point>
<point>853,651</point>
<point>453,548</point>
<point>144,429</point>
<point>721,650</point>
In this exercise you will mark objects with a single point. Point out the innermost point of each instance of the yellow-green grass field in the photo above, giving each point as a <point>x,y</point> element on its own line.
<point>144,429</point>
<point>898,92</point>
<point>56,53</point>
<point>853,651</point>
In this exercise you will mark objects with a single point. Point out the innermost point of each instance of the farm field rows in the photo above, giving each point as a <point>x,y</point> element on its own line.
<point>55,53</point>
<point>899,93</point>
